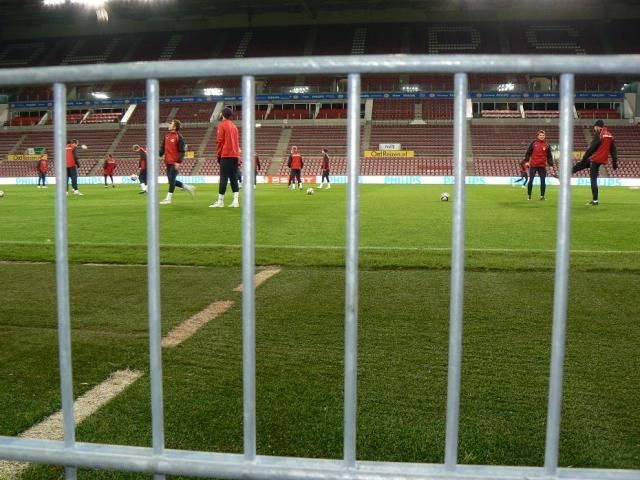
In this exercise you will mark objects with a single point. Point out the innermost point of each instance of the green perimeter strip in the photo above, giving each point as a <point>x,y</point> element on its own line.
<point>328,247</point>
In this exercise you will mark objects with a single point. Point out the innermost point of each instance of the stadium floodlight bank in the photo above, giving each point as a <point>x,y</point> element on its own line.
<point>160,461</point>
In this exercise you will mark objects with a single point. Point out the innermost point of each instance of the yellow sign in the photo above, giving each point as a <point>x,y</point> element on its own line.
<point>389,153</point>
<point>21,156</point>
<point>190,154</point>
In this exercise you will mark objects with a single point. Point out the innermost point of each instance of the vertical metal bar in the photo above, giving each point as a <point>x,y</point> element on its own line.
<point>457,271</point>
<point>153,265</point>
<point>351,277</point>
<point>248,269</point>
<point>561,276</point>
<point>62,268</point>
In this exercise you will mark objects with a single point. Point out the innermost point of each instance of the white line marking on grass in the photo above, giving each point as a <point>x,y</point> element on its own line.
<point>190,326</point>
<point>261,277</point>
<point>22,262</point>
<point>321,247</point>
<point>52,427</point>
<point>138,265</point>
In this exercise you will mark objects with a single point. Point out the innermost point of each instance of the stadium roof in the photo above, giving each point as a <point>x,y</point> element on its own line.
<point>22,14</point>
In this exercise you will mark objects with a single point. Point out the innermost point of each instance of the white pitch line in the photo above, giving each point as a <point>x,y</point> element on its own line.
<point>52,428</point>
<point>190,326</point>
<point>261,277</point>
<point>331,247</point>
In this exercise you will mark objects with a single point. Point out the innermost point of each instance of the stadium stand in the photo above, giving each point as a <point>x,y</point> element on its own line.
<point>269,42</point>
<point>437,109</point>
<point>393,110</point>
<point>333,40</point>
<point>424,140</point>
<point>429,142</point>
<point>595,113</point>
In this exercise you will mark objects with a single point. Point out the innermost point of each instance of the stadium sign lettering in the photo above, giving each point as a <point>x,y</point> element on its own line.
<point>389,146</point>
<point>602,182</point>
<point>403,180</point>
<point>320,96</point>
<point>26,181</point>
<point>475,181</point>
<point>389,153</point>
<point>21,156</point>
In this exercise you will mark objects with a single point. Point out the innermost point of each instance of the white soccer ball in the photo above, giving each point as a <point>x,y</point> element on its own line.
<point>134,177</point>
<point>310,191</point>
<point>1,194</point>
<point>83,146</point>
<point>444,197</point>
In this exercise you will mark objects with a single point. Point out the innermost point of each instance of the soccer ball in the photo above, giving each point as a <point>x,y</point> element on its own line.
<point>1,194</point>
<point>134,177</point>
<point>310,191</point>
<point>444,197</point>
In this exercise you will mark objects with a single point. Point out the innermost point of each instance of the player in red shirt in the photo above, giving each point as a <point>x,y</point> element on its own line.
<point>539,156</point>
<point>295,163</point>
<point>142,167</point>
<point>108,167</point>
<point>597,154</point>
<point>324,166</point>
<point>41,168</point>
<point>228,152</point>
<point>172,149</point>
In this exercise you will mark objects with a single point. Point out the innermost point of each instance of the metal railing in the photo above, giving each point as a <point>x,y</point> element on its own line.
<point>161,461</point>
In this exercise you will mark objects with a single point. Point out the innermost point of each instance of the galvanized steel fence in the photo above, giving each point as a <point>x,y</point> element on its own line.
<point>161,461</point>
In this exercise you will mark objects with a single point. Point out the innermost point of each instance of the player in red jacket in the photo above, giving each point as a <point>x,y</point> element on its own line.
<point>108,167</point>
<point>295,163</point>
<point>597,154</point>
<point>228,152</point>
<point>172,149</point>
<point>41,168</point>
<point>539,156</point>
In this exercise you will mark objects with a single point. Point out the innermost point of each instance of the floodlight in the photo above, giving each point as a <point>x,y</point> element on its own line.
<point>506,87</point>
<point>100,95</point>
<point>410,88</point>
<point>213,92</point>
<point>300,89</point>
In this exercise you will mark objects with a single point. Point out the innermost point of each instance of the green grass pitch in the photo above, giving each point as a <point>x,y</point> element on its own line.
<point>405,238</point>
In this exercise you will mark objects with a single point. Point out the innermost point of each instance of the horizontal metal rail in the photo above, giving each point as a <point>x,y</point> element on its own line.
<point>383,64</point>
<point>203,464</point>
